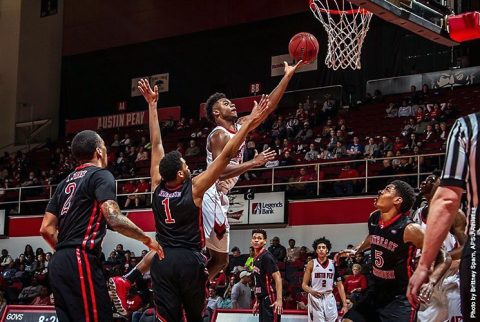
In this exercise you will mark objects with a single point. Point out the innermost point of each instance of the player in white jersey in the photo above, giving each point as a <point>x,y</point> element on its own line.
<point>442,300</point>
<point>223,113</point>
<point>318,281</point>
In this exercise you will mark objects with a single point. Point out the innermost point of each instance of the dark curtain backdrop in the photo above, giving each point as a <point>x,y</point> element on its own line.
<point>229,59</point>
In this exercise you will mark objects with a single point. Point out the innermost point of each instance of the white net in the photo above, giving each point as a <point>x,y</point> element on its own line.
<point>346,28</point>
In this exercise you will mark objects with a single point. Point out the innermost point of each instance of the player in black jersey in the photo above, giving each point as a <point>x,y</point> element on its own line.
<point>268,281</point>
<point>393,239</point>
<point>75,224</point>
<point>179,280</point>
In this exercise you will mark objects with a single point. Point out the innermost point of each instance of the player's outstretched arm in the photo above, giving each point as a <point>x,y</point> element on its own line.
<point>151,96</point>
<point>49,230</point>
<point>414,234</point>
<point>206,179</point>
<point>121,224</point>
<point>218,141</point>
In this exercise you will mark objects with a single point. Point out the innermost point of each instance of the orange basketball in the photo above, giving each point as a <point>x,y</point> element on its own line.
<point>303,46</point>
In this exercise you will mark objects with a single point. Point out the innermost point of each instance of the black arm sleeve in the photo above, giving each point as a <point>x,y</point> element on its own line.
<point>103,186</point>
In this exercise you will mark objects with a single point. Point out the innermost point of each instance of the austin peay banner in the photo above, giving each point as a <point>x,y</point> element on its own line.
<point>264,208</point>
<point>120,120</point>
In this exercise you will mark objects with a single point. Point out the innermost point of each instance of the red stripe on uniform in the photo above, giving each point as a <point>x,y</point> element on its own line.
<point>200,227</point>
<point>92,291</point>
<point>82,285</point>
<point>159,317</point>
<point>411,250</point>
<point>90,223</point>
<point>96,228</point>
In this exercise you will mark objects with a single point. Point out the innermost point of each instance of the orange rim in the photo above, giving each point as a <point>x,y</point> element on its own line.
<point>338,12</point>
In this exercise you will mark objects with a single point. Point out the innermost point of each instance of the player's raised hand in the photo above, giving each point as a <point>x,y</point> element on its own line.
<point>259,111</point>
<point>277,306</point>
<point>263,157</point>
<point>418,278</point>
<point>152,244</point>
<point>151,96</point>
<point>290,70</point>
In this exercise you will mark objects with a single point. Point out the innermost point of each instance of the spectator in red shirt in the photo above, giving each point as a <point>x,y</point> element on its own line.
<point>420,115</point>
<point>129,188</point>
<point>355,284</point>
<point>142,187</point>
<point>345,187</point>
<point>398,145</point>
<point>43,298</point>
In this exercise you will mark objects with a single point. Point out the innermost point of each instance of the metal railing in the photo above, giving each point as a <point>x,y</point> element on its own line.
<point>19,197</point>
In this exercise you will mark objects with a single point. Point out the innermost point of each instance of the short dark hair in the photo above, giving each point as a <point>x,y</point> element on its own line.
<point>235,249</point>
<point>260,231</point>
<point>211,101</point>
<point>170,165</point>
<point>406,192</point>
<point>322,240</point>
<point>84,145</point>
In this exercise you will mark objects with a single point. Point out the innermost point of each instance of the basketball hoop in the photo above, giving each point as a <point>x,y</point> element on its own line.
<point>346,28</point>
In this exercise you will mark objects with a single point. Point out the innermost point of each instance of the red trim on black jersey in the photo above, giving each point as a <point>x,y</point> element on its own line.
<point>159,317</point>
<point>260,253</point>
<point>92,291</point>
<point>174,188</point>
<point>383,225</point>
<point>82,285</point>
<point>411,251</point>
<point>200,227</point>
<point>90,224</point>
<point>96,229</point>
<point>85,165</point>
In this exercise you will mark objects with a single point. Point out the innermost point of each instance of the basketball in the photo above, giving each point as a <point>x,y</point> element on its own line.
<point>303,46</point>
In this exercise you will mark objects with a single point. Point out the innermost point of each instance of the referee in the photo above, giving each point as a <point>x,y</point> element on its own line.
<point>461,172</point>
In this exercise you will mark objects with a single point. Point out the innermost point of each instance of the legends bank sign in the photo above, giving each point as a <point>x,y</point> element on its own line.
<point>267,208</point>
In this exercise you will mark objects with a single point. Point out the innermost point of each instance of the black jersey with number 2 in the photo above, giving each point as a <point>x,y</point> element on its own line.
<point>76,202</point>
<point>177,219</point>
<point>393,259</point>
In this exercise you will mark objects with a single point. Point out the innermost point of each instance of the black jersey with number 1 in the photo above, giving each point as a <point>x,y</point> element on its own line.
<point>76,202</point>
<point>178,220</point>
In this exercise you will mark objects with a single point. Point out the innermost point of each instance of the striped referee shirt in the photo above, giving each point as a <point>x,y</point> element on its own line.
<point>461,168</point>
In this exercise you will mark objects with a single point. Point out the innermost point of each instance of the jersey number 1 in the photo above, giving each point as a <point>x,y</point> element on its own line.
<point>166,207</point>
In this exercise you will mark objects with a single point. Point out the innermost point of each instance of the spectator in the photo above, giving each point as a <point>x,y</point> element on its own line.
<point>292,127</point>
<point>434,112</point>
<point>250,259</point>
<point>298,186</point>
<point>278,251</point>
<point>192,150</point>
<point>5,259</point>
<point>293,252</point>
<point>391,111</point>
<point>236,260</point>
<point>142,187</point>
<point>339,151</point>
<point>312,154</point>
<point>116,141</point>
<point>385,146</point>
<point>129,188</point>
<point>213,303</point>
<point>43,298</point>
<point>414,96</point>
<point>332,143</point>
<point>126,140</point>
<point>28,293</point>
<point>443,133</point>
<point>355,284</point>
<point>345,187</point>
<point>182,124</point>
<point>328,105</point>
<point>180,148</point>
<point>413,142</point>
<point>398,145</point>
<point>449,111</point>
<point>142,155</point>
<point>286,159</point>
<point>370,149</point>
<point>429,135</point>
<point>327,128</point>
<point>404,110</point>
<point>279,129</point>
<point>305,133</point>
<point>409,127</point>
<point>242,293</point>
<point>420,128</point>
<point>355,150</point>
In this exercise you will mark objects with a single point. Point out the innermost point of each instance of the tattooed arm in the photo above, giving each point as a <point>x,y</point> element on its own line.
<point>123,225</point>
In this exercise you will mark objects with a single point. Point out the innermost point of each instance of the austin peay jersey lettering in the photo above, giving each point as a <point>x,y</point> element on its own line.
<point>324,275</point>
<point>178,220</point>
<point>393,259</point>
<point>76,202</point>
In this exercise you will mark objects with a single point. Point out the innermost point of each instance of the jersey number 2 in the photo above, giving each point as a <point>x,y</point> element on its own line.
<point>166,207</point>
<point>70,191</point>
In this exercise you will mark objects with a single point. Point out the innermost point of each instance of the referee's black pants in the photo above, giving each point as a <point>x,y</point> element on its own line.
<point>79,287</point>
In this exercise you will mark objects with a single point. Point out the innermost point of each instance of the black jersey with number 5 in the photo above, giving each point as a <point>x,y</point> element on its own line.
<point>76,202</point>
<point>393,259</point>
<point>177,219</point>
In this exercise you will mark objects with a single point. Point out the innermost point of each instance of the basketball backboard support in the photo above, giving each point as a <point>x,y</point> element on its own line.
<point>426,21</point>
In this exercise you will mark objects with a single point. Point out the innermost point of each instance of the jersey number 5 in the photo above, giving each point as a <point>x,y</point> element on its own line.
<point>166,207</point>
<point>378,258</point>
<point>70,191</point>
